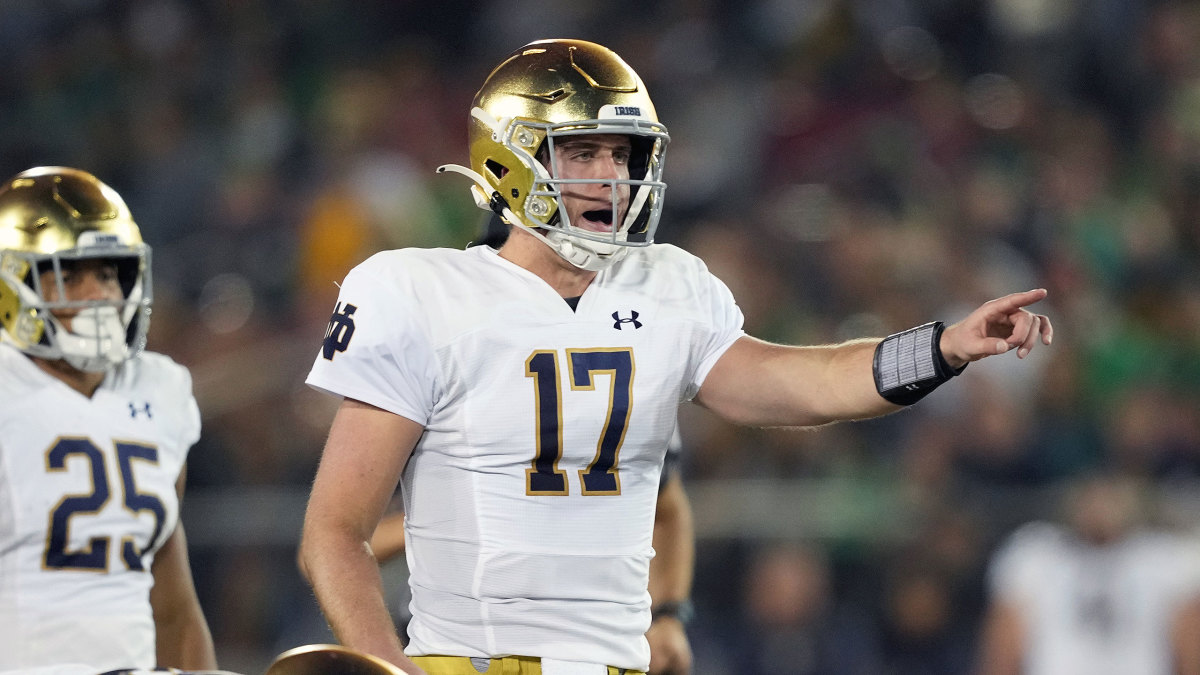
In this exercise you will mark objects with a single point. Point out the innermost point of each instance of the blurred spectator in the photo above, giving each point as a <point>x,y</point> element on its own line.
<point>794,624</point>
<point>930,597</point>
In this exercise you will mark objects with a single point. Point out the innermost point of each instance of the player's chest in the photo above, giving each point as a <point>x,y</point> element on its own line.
<point>90,497</point>
<point>593,362</point>
<point>93,454</point>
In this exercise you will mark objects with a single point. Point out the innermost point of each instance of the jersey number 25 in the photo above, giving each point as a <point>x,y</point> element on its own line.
<point>95,555</point>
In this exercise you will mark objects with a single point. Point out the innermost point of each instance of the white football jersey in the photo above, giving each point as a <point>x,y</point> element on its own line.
<point>530,497</point>
<point>87,495</point>
<point>1091,610</point>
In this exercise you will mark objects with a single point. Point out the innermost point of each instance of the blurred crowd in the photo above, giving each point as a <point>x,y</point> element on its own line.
<point>847,167</point>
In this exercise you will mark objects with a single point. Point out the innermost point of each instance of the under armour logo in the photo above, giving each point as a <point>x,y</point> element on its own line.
<point>633,315</point>
<point>340,330</point>
<point>135,410</point>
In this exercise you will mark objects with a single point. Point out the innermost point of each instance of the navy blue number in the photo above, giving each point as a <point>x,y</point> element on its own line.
<point>544,477</point>
<point>601,477</point>
<point>137,501</point>
<point>95,556</point>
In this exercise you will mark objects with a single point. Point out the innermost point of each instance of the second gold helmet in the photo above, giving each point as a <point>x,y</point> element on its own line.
<point>50,217</point>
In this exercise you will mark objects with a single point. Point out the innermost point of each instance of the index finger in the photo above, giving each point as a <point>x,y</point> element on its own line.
<point>1015,301</point>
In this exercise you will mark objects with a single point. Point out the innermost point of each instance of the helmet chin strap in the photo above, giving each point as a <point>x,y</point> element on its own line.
<point>96,341</point>
<point>592,256</point>
<point>587,255</point>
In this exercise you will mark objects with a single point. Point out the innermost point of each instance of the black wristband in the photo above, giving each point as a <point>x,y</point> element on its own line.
<point>909,364</point>
<point>681,610</point>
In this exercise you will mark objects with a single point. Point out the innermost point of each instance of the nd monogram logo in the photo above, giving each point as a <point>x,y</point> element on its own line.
<point>618,321</point>
<point>340,330</point>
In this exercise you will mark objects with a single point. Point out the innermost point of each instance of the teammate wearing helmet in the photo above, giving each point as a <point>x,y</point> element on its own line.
<point>524,398</point>
<point>94,434</point>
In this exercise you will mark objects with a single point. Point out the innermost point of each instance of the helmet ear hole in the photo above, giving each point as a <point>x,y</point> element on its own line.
<point>495,168</point>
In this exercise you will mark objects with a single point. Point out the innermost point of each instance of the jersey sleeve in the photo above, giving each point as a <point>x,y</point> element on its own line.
<point>721,328</point>
<point>376,349</point>
<point>191,411</point>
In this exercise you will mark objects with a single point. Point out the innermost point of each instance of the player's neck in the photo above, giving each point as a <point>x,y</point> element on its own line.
<point>526,251</point>
<point>81,381</point>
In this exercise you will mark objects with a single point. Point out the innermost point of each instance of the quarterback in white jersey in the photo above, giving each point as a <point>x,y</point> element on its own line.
<point>545,431</point>
<point>94,435</point>
<point>524,398</point>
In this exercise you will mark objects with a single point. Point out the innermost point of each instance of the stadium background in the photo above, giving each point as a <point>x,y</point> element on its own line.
<point>848,167</point>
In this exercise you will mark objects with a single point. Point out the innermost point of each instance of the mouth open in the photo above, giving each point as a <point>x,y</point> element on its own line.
<point>599,218</point>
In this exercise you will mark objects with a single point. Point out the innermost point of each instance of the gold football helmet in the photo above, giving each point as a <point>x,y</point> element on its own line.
<point>542,92</point>
<point>49,218</point>
<point>321,659</point>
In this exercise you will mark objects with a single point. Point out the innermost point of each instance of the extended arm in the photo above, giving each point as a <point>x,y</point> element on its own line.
<point>184,640</point>
<point>762,384</point>
<point>361,464</point>
<point>671,579</point>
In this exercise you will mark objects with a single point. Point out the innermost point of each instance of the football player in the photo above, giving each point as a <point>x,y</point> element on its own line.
<point>674,541</point>
<point>1101,590</point>
<point>94,434</point>
<point>525,398</point>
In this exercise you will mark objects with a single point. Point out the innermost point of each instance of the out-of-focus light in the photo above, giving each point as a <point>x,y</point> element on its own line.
<point>226,303</point>
<point>994,101</point>
<point>1032,18</point>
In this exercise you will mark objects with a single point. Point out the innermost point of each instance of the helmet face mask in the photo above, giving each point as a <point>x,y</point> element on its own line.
<point>51,220</point>
<point>636,201</point>
<point>542,95</point>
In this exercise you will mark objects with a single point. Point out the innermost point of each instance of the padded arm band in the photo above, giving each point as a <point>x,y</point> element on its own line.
<point>909,364</point>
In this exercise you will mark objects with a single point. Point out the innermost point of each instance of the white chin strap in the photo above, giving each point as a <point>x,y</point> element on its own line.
<point>96,341</point>
<point>586,255</point>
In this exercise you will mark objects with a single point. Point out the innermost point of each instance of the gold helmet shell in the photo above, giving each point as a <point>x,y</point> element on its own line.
<point>49,217</point>
<point>327,659</point>
<point>554,88</point>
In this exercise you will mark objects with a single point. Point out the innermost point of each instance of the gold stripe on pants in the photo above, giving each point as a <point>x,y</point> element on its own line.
<point>508,665</point>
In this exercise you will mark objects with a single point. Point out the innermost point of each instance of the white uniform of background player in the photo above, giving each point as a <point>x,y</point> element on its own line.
<point>87,494</point>
<point>543,557</point>
<point>1101,596</point>
<point>94,434</point>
